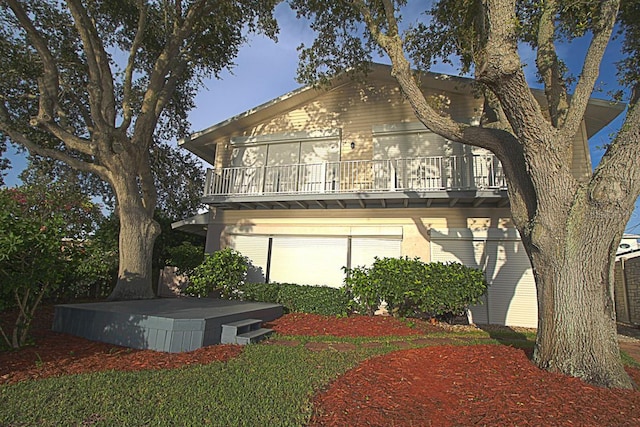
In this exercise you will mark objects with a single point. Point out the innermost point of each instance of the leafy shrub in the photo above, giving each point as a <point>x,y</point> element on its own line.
<point>314,299</point>
<point>36,253</point>
<point>263,292</point>
<point>365,295</point>
<point>399,281</point>
<point>392,280</point>
<point>453,287</point>
<point>299,298</point>
<point>186,257</point>
<point>94,277</point>
<point>221,272</point>
<point>412,288</point>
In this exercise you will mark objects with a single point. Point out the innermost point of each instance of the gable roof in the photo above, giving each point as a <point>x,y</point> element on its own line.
<point>599,112</point>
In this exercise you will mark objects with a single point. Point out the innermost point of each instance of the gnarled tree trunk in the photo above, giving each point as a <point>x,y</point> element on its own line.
<point>573,265</point>
<point>138,230</point>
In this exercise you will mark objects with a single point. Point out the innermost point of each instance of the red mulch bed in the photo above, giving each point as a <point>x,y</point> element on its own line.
<point>484,385</point>
<point>442,385</point>
<point>353,326</point>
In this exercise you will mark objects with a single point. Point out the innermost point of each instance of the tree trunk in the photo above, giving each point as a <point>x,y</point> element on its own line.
<point>577,328</point>
<point>573,263</point>
<point>138,232</point>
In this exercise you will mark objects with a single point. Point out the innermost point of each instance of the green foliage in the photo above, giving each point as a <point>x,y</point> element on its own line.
<point>263,292</point>
<point>179,180</point>
<point>38,250</point>
<point>412,288</point>
<point>400,281</point>
<point>629,65</point>
<point>313,299</point>
<point>299,298</point>
<point>97,84</point>
<point>4,161</point>
<point>221,272</point>
<point>167,245</point>
<point>338,48</point>
<point>186,257</point>
<point>451,289</point>
<point>359,285</point>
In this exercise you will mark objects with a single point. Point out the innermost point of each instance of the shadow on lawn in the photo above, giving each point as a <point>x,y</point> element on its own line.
<point>509,336</point>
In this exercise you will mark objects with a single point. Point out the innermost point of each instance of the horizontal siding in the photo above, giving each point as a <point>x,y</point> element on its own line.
<point>355,108</point>
<point>581,164</point>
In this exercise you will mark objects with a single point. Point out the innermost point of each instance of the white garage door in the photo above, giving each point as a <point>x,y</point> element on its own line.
<point>365,249</point>
<point>308,260</point>
<point>511,298</point>
<point>256,248</point>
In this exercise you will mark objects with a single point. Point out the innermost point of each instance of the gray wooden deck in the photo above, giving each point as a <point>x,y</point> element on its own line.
<point>164,324</point>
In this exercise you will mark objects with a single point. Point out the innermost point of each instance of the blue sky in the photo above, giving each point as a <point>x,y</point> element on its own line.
<point>265,70</point>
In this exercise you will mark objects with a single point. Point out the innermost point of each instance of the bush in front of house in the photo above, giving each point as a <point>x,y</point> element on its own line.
<point>222,272</point>
<point>365,295</point>
<point>263,292</point>
<point>314,299</point>
<point>299,298</point>
<point>396,281</point>
<point>452,288</point>
<point>412,288</point>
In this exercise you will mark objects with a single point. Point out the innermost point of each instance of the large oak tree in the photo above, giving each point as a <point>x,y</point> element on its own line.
<point>569,227</point>
<point>92,83</point>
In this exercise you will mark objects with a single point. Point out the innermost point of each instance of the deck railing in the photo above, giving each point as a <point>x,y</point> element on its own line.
<point>472,172</point>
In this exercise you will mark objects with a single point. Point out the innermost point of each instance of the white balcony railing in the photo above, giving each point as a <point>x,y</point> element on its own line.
<point>477,172</point>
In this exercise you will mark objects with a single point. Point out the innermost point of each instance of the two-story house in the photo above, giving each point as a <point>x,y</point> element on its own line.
<point>320,179</point>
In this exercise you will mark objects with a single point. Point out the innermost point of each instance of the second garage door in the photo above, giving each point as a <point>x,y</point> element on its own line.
<point>511,298</point>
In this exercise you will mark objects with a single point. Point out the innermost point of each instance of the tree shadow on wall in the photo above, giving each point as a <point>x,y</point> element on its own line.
<point>499,256</point>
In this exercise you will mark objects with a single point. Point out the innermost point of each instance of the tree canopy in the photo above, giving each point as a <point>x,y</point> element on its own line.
<point>96,84</point>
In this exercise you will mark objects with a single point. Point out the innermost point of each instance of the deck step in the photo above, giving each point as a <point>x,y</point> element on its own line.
<point>243,332</point>
<point>254,336</point>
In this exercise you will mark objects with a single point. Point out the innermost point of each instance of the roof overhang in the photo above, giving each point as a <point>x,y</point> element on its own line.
<point>365,200</point>
<point>196,224</point>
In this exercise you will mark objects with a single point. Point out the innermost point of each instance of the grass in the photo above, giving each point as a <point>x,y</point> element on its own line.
<point>267,385</point>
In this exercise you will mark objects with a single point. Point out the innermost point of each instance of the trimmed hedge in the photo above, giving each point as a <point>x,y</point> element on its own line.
<point>299,298</point>
<point>412,288</point>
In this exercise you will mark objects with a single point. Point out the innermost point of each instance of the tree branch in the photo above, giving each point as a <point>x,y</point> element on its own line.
<point>390,16</point>
<point>589,74</point>
<point>170,86</point>
<point>147,187</point>
<point>70,140</point>
<point>549,66</point>
<point>19,138</point>
<point>166,62</point>
<point>607,183</point>
<point>84,112</point>
<point>128,78</point>
<point>401,69</point>
<point>48,102</point>
<point>101,91</point>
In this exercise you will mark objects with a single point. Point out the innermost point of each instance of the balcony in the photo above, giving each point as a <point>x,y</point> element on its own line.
<point>416,182</point>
